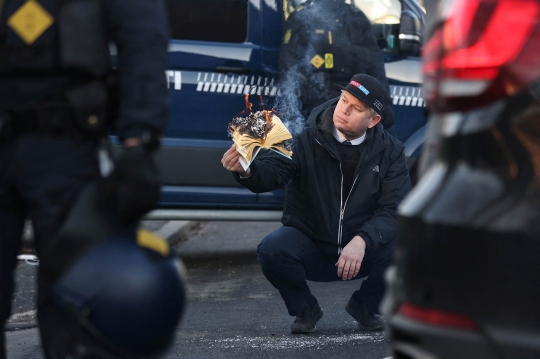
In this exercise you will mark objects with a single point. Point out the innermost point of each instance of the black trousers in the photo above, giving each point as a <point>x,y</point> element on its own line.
<point>288,258</point>
<point>40,177</point>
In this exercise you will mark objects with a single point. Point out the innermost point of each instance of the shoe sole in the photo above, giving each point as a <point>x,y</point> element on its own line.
<point>306,331</point>
<point>301,331</point>
<point>361,327</point>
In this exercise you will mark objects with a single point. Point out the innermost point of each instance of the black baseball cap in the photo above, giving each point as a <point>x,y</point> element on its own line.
<point>368,90</point>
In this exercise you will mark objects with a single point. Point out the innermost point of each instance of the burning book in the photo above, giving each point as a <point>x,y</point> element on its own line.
<point>261,129</point>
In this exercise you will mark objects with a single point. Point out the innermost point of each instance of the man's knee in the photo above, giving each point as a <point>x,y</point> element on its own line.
<point>270,249</point>
<point>380,261</point>
<point>269,245</point>
<point>276,250</point>
<point>385,258</point>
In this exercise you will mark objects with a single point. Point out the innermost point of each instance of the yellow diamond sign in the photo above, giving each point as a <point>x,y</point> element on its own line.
<point>30,21</point>
<point>317,61</point>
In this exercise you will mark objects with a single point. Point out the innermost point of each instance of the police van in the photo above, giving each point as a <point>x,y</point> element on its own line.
<point>222,50</point>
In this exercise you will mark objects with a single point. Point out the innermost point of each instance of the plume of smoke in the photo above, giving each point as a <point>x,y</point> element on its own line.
<point>299,79</point>
<point>288,104</point>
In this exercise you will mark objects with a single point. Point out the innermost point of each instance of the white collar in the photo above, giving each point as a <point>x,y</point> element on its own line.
<point>339,136</point>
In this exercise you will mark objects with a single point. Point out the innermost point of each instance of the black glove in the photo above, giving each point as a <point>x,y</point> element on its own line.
<point>138,184</point>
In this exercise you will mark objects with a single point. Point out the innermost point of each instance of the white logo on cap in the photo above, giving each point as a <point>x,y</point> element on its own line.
<point>363,89</point>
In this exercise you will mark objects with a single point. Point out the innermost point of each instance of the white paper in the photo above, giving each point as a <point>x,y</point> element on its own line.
<point>245,164</point>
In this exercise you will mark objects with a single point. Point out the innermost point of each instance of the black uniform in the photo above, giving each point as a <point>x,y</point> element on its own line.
<point>327,42</point>
<point>57,102</point>
<point>322,211</point>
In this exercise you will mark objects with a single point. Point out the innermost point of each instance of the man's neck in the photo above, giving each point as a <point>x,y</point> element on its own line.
<point>341,137</point>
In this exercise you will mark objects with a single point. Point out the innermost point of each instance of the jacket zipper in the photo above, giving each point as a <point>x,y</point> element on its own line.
<point>343,209</point>
<point>347,199</point>
<point>341,204</point>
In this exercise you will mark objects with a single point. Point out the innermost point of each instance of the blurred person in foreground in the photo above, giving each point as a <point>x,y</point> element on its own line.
<point>57,105</point>
<point>343,185</point>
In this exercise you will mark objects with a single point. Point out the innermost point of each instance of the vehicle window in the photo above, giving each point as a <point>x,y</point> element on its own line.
<point>384,16</point>
<point>208,20</point>
<point>380,11</point>
<point>377,11</point>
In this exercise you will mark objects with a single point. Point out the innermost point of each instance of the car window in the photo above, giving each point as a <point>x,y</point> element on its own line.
<point>384,16</point>
<point>377,11</point>
<point>380,11</point>
<point>208,20</point>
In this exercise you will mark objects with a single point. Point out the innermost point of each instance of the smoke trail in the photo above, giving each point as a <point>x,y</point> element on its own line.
<point>300,79</point>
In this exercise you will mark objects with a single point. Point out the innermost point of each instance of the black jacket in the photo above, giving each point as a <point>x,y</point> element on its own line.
<point>314,202</point>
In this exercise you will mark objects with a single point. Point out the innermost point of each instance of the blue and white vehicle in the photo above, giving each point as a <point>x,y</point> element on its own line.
<point>221,50</point>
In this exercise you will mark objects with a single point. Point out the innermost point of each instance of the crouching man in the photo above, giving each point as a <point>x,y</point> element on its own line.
<point>343,185</point>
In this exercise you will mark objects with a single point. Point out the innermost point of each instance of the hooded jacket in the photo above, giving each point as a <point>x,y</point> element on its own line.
<point>314,200</point>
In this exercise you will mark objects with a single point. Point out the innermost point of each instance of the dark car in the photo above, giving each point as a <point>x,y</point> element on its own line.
<point>222,50</point>
<point>466,282</point>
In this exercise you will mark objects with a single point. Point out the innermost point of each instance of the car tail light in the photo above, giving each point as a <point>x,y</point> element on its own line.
<point>483,51</point>
<point>436,317</point>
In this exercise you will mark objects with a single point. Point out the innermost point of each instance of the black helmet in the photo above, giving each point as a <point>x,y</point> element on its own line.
<point>113,293</point>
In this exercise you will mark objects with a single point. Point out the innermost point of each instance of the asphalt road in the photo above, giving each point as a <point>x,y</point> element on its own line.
<point>233,312</point>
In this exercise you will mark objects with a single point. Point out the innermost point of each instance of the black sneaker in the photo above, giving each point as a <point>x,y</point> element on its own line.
<point>305,323</point>
<point>367,320</point>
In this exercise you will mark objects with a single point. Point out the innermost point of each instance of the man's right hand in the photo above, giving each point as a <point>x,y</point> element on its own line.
<point>230,162</point>
<point>351,258</point>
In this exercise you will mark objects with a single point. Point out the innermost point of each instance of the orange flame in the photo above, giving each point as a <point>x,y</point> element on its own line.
<point>249,105</point>
<point>249,109</point>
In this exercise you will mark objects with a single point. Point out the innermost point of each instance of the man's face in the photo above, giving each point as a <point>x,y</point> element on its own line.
<point>352,117</point>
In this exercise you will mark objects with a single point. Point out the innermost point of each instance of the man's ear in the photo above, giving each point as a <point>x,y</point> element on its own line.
<point>374,121</point>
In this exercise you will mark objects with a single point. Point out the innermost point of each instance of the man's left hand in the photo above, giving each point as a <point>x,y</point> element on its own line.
<point>351,258</point>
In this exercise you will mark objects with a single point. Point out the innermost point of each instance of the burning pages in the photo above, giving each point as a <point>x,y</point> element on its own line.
<point>261,129</point>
